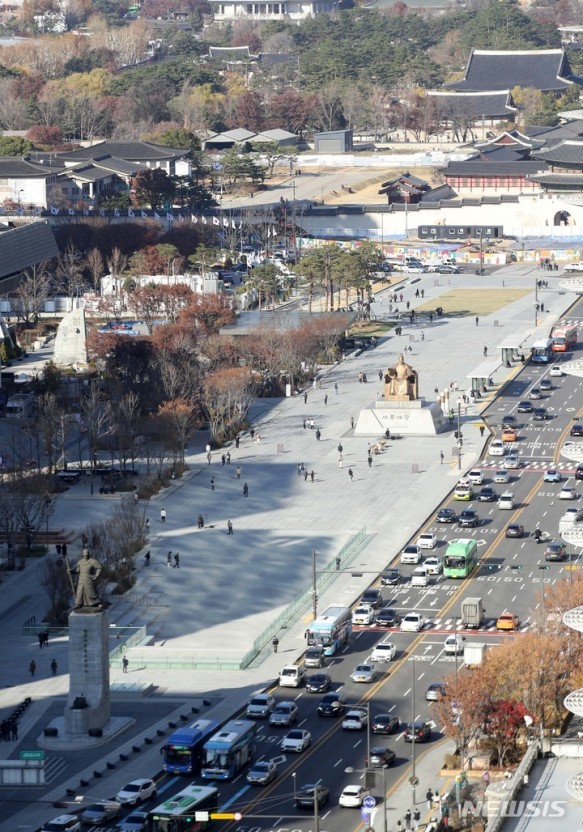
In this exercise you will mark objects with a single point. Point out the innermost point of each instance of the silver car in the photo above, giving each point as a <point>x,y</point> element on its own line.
<point>284,714</point>
<point>96,814</point>
<point>363,673</point>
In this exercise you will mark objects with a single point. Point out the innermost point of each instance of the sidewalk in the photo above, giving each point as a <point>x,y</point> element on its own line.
<point>267,561</point>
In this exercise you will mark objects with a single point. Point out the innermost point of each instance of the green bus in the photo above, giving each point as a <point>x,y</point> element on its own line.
<point>460,558</point>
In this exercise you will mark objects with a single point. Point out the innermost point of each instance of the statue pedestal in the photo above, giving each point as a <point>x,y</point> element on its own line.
<point>402,417</point>
<point>88,703</point>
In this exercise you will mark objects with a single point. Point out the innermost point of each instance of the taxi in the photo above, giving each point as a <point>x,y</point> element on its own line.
<point>509,435</point>
<point>507,621</point>
<point>463,490</point>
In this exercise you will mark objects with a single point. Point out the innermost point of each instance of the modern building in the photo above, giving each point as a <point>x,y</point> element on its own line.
<point>227,10</point>
<point>333,141</point>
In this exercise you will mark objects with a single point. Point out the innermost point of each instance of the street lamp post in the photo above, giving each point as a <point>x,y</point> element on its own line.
<point>536,301</point>
<point>294,775</point>
<point>314,586</point>
<point>413,775</point>
<point>460,440</point>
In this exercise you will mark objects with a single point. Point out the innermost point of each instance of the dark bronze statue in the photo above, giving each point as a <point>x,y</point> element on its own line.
<point>88,569</point>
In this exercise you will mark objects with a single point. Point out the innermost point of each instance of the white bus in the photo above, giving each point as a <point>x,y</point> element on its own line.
<point>187,811</point>
<point>331,630</point>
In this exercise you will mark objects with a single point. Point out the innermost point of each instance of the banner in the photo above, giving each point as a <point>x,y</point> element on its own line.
<point>204,220</point>
<point>130,213</point>
<point>143,215</point>
<point>216,221</point>
<point>71,212</point>
<point>193,219</point>
<point>116,212</point>
<point>54,210</point>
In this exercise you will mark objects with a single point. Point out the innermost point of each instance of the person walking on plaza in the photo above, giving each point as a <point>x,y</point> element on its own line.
<point>318,435</point>
<point>351,474</point>
<point>336,387</point>
<point>312,424</point>
<point>312,475</point>
<point>429,798</point>
<point>305,398</point>
<point>224,459</point>
<point>326,399</point>
<point>54,667</point>
<point>340,448</point>
<point>416,819</point>
<point>380,375</point>
<point>32,668</point>
<point>441,457</point>
<point>147,558</point>
<point>124,664</point>
<point>147,524</point>
<point>305,475</point>
<point>299,469</point>
<point>200,521</point>
<point>482,429</point>
<point>245,490</point>
<point>485,352</point>
<point>408,819</point>
<point>237,441</point>
<point>209,457</point>
<point>304,424</point>
<point>212,483</point>
<point>177,561</point>
<point>169,559</point>
<point>275,643</point>
<point>370,462</point>
<point>352,422</point>
<point>229,527</point>
<point>163,515</point>
<point>238,472</point>
<point>477,321</point>
<point>228,457</point>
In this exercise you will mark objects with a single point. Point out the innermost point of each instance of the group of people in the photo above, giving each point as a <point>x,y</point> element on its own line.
<point>9,730</point>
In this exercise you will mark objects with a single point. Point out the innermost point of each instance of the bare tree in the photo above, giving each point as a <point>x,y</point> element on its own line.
<point>97,415</point>
<point>56,582</point>
<point>227,397</point>
<point>32,292</point>
<point>96,265</point>
<point>70,270</point>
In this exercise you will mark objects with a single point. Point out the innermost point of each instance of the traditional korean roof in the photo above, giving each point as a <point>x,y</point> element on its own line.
<point>569,152</point>
<point>130,151</point>
<point>473,105</point>
<point>502,169</point>
<point>502,153</point>
<point>21,168</point>
<point>232,54</point>
<point>407,182</point>
<point>555,135</point>
<point>511,138</point>
<point>544,69</point>
<point>558,179</point>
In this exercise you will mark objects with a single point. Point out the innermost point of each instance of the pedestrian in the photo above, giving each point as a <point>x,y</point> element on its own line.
<point>337,562</point>
<point>387,434</point>
<point>305,398</point>
<point>352,422</point>
<point>417,293</point>
<point>408,819</point>
<point>312,475</point>
<point>416,819</point>
<point>422,293</point>
<point>336,387</point>
<point>350,474</point>
<point>441,456</point>
<point>326,399</point>
<point>54,667</point>
<point>431,317</point>
<point>237,440</point>
<point>212,483</point>
<point>32,668</point>
<point>340,461</point>
<point>485,352</point>
<point>238,472</point>
<point>124,664</point>
<point>209,457</point>
<point>422,335</point>
<point>245,490</point>
<point>542,307</point>
<point>360,378</point>
<point>312,424</point>
<point>258,439</point>
<point>482,429</point>
<point>228,458</point>
<point>59,548</point>
<point>401,297</point>
<point>318,435</point>
<point>477,321</point>
<point>364,378</point>
<point>340,448</point>
<point>163,515</point>
<point>177,561</point>
<point>169,559</point>
<point>229,527</point>
<point>304,424</point>
<point>436,391</point>
<point>299,469</point>
<point>399,826</point>
<point>224,459</point>
<point>40,640</point>
<point>380,375</point>
<point>147,524</point>
<point>429,798</point>
<point>13,726</point>
<point>275,643</point>
<point>306,474</point>
<point>408,305</point>
<point>370,462</point>
<point>147,558</point>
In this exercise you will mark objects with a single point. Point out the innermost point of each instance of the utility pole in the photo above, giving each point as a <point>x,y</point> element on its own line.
<point>460,440</point>
<point>314,586</point>
<point>414,743</point>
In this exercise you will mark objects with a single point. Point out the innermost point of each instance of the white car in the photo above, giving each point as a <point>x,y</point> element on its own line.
<point>260,706</point>
<point>567,493</point>
<point>497,448</point>
<point>454,644</point>
<point>384,652</point>
<point>427,540</point>
<point>476,477</point>
<point>364,673</point>
<point>136,822</point>
<point>296,740</point>
<point>352,796</point>
<point>512,461</point>
<point>136,791</point>
<point>355,719</point>
<point>506,501</point>
<point>556,371</point>
<point>411,554</point>
<point>573,515</point>
<point>433,564</point>
<point>62,823</point>
<point>501,476</point>
<point>413,622</point>
<point>363,615</point>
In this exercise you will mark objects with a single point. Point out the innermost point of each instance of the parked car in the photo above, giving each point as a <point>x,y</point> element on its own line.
<point>308,794</point>
<point>355,719</point>
<point>284,715</point>
<point>385,724</point>
<point>418,731</point>
<point>383,652</point>
<point>318,683</point>
<point>262,772</point>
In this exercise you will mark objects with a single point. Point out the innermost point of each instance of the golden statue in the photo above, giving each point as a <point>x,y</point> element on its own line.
<point>401,382</point>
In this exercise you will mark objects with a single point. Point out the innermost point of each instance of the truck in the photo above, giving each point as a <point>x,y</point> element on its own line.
<point>20,406</point>
<point>474,653</point>
<point>472,613</point>
<point>574,267</point>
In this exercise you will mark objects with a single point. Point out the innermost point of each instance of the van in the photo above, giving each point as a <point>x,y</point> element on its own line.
<point>506,500</point>
<point>420,576</point>
<point>291,676</point>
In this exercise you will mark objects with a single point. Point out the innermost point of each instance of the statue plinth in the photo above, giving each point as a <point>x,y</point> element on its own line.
<point>397,398</point>
<point>88,703</point>
<point>402,418</point>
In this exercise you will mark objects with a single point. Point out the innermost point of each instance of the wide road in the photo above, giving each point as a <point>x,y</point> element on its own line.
<point>508,577</point>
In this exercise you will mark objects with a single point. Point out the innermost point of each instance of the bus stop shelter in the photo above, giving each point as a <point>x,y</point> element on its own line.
<point>512,350</point>
<point>483,372</point>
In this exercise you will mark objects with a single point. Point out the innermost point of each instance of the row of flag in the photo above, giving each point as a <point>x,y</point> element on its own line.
<point>223,222</point>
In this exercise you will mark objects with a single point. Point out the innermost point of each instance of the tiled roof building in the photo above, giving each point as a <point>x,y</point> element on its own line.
<point>547,70</point>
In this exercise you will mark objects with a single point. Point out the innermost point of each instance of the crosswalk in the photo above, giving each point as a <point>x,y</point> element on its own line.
<point>532,465</point>
<point>54,767</point>
<point>446,625</point>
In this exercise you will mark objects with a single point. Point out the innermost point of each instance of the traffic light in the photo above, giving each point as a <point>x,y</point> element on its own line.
<point>546,566</point>
<point>517,566</point>
<point>456,433</point>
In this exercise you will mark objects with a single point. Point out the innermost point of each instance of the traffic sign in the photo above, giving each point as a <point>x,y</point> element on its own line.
<point>572,566</point>
<point>37,754</point>
<point>369,802</point>
<point>225,815</point>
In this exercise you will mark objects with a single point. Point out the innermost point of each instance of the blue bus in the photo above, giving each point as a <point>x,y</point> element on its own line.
<point>229,750</point>
<point>183,751</point>
<point>541,351</point>
<point>331,630</point>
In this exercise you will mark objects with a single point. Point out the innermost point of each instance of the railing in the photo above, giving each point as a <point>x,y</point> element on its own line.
<point>516,783</point>
<point>325,576</point>
<point>136,634</point>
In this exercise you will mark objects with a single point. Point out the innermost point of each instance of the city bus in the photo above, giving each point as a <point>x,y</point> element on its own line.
<point>187,811</point>
<point>331,630</point>
<point>227,751</point>
<point>183,751</point>
<point>461,556</point>
<point>541,351</point>
<point>564,338</point>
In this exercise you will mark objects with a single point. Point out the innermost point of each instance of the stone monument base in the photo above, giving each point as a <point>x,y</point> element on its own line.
<point>88,703</point>
<point>62,741</point>
<point>403,418</point>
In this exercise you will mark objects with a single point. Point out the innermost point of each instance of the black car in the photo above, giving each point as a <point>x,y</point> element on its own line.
<point>372,597</point>
<point>486,495</point>
<point>535,393</point>
<point>380,757</point>
<point>468,518</point>
<point>387,617</point>
<point>309,793</point>
<point>385,724</point>
<point>446,515</point>
<point>579,472</point>
<point>524,407</point>
<point>332,704</point>
<point>577,429</point>
<point>417,731</point>
<point>509,421</point>
<point>318,683</point>
<point>539,414</point>
<point>390,577</point>
<point>514,530</point>
<point>546,384</point>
